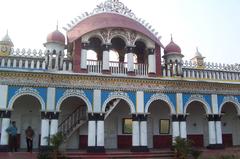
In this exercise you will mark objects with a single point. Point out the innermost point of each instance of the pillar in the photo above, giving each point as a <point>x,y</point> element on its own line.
<point>219,132</point>
<point>100,133</point>
<point>135,133</point>
<point>91,133</point>
<point>5,115</point>
<point>54,123</point>
<point>84,57</point>
<point>45,130</point>
<point>183,128</point>
<point>143,133</point>
<point>211,130</point>
<point>105,60</point>
<point>130,61</point>
<point>175,127</point>
<point>151,62</point>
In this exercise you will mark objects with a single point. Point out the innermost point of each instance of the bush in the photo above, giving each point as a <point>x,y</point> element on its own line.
<point>44,155</point>
<point>182,148</point>
<point>195,153</point>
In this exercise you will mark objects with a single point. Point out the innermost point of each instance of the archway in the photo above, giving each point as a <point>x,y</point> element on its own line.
<point>73,110</point>
<point>118,124</point>
<point>27,112</point>
<point>197,124</point>
<point>159,124</point>
<point>140,51</point>
<point>230,124</point>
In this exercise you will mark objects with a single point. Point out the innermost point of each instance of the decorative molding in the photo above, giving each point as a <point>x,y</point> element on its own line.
<point>199,98</point>
<point>27,91</point>
<point>230,99</point>
<point>163,97</point>
<point>74,93</point>
<point>119,95</point>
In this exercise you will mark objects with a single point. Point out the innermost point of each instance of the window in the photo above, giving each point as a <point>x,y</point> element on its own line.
<point>127,126</point>
<point>164,126</point>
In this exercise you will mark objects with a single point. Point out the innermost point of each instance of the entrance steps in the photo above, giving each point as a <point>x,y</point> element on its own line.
<point>167,154</point>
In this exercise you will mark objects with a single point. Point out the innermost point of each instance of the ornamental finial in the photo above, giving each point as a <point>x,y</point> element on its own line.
<point>171,38</point>
<point>57,25</point>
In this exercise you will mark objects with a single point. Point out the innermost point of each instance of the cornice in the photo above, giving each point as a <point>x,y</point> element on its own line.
<point>173,85</point>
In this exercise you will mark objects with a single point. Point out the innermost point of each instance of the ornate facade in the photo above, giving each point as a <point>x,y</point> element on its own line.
<point>143,98</point>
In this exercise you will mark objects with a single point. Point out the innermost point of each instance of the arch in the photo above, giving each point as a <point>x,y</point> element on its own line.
<point>27,91</point>
<point>74,93</point>
<point>198,98</point>
<point>230,99</point>
<point>161,97</point>
<point>120,36</point>
<point>119,95</point>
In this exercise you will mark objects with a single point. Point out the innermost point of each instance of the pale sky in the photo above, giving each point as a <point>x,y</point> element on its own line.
<point>212,25</point>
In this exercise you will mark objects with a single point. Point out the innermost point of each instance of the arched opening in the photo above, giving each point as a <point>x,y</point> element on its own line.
<point>230,125</point>
<point>197,124</point>
<point>73,116</point>
<point>118,124</point>
<point>27,112</point>
<point>118,46</point>
<point>94,49</point>
<point>140,51</point>
<point>159,125</point>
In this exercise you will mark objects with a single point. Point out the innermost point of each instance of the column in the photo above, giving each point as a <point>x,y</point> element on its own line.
<point>84,56</point>
<point>45,128</point>
<point>151,62</point>
<point>183,128</point>
<point>175,127</point>
<point>143,133</point>
<point>54,123</point>
<point>5,115</point>
<point>218,126</point>
<point>91,133</point>
<point>105,67</point>
<point>135,133</point>
<point>100,133</point>
<point>211,130</point>
<point>130,61</point>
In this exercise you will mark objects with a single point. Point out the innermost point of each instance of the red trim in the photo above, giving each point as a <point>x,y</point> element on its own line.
<point>162,141</point>
<point>131,73</point>
<point>158,60</point>
<point>124,141</point>
<point>197,140</point>
<point>76,55</point>
<point>227,140</point>
<point>83,141</point>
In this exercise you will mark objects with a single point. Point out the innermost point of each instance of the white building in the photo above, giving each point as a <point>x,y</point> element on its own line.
<point>143,98</point>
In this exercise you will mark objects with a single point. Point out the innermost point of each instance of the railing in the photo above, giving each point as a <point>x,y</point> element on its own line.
<point>118,68</point>
<point>71,121</point>
<point>94,66</point>
<point>141,69</point>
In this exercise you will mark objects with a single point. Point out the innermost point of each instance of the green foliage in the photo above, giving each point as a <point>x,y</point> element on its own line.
<point>228,157</point>
<point>182,148</point>
<point>195,153</point>
<point>44,155</point>
<point>56,140</point>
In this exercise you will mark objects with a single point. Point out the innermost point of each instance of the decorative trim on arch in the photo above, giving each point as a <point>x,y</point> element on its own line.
<point>162,97</point>
<point>230,99</point>
<point>27,91</point>
<point>199,98</point>
<point>120,95</point>
<point>74,93</point>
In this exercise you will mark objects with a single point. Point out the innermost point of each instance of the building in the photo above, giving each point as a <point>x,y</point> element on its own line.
<point>135,93</point>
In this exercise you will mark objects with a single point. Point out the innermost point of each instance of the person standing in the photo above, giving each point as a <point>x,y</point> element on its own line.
<point>12,131</point>
<point>29,138</point>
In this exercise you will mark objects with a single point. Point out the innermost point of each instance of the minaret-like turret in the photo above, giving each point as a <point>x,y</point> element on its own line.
<point>6,45</point>
<point>173,57</point>
<point>55,47</point>
<point>198,59</point>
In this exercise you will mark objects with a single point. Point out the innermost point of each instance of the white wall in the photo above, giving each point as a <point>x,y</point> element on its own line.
<point>27,113</point>
<point>158,110</point>
<point>232,122</point>
<point>197,116</point>
<point>113,124</point>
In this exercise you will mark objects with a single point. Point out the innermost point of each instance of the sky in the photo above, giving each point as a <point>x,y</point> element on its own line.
<point>211,25</point>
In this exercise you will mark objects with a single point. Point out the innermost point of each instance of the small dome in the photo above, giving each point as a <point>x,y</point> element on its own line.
<point>172,47</point>
<point>198,54</point>
<point>6,40</point>
<point>56,37</point>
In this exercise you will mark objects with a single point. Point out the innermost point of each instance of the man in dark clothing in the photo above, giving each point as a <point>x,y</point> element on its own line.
<point>29,138</point>
<point>12,131</point>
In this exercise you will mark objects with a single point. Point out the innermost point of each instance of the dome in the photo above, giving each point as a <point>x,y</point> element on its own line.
<point>172,48</point>
<point>6,40</point>
<point>56,37</point>
<point>198,54</point>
